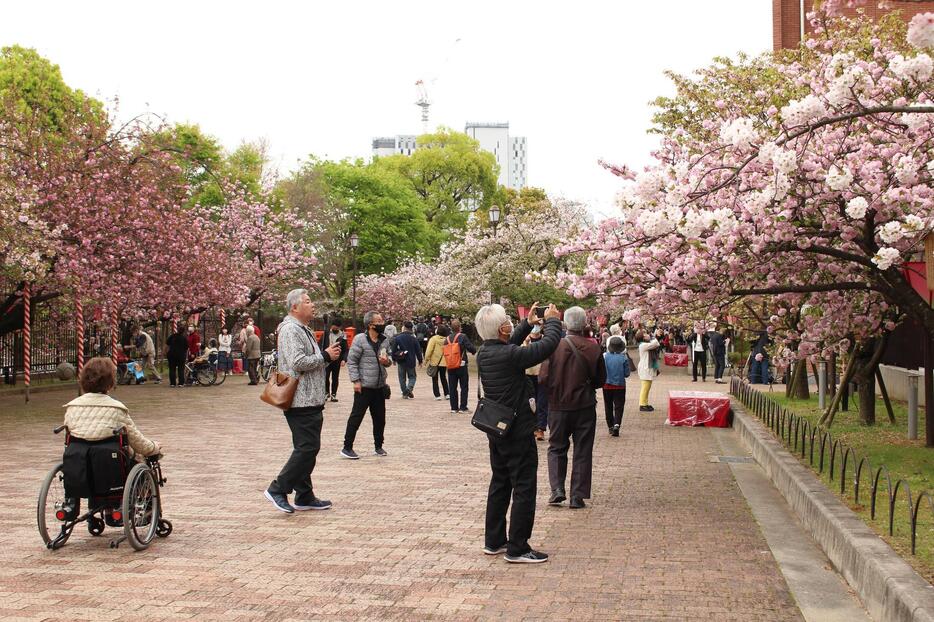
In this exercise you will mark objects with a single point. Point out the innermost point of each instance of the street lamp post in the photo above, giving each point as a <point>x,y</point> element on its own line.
<point>494,220</point>
<point>354,242</point>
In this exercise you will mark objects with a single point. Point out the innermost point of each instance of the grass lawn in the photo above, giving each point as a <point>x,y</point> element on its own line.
<point>885,444</point>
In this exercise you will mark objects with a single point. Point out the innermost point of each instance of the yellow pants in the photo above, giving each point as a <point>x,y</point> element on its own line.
<point>644,393</point>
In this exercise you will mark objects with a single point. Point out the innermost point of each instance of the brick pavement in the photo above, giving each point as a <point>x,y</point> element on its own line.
<point>403,539</point>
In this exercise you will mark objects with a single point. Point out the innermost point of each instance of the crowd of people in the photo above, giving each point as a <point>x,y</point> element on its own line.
<point>546,370</point>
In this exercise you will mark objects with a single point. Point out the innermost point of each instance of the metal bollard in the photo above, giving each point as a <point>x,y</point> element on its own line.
<point>912,407</point>
<point>821,384</point>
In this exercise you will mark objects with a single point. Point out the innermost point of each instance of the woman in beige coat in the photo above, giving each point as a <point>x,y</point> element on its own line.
<point>434,355</point>
<point>94,415</point>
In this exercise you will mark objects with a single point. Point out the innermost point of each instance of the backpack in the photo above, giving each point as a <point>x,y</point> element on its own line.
<point>452,352</point>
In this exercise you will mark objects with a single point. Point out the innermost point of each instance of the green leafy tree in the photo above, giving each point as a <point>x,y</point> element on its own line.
<point>338,199</point>
<point>450,174</point>
<point>35,88</point>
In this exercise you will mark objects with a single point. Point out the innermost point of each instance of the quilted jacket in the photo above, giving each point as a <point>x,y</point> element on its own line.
<point>93,417</point>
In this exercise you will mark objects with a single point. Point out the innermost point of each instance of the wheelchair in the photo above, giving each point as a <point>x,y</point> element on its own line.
<point>119,492</point>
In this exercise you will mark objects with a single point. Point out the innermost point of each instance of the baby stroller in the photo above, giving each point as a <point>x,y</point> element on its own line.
<point>129,372</point>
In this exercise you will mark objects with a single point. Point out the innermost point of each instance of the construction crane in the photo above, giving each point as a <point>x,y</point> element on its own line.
<point>423,103</point>
<point>421,88</point>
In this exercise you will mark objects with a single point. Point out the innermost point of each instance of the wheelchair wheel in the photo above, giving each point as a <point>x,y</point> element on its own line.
<point>221,376</point>
<point>164,530</point>
<point>95,526</point>
<point>140,507</point>
<point>206,376</point>
<point>268,370</point>
<point>52,501</point>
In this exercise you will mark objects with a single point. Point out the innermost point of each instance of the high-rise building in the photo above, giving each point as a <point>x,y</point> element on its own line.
<point>511,152</point>
<point>790,24</point>
<point>403,144</point>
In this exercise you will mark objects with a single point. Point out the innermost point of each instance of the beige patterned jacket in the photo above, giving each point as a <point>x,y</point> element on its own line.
<point>93,417</point>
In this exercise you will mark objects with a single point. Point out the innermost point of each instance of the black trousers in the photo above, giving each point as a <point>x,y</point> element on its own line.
<point>252,370</point>
<point>458,376</point>
<point>613,402</point>
<point>514,462</point>
<point>374,400</point>
<point>565,426</point>
<point>719,364</point>
<point>295,475</point>
<point>331,378</point>
<point>700,358</point>
<point>176,371</point>
<point>442,377</point>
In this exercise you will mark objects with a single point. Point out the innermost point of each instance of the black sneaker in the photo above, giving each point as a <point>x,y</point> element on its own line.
<point>532,557</point>
<point>615,430</point>
<point>379,451</point>
<point>645,409</point>
<point>316,504</point>
<point>464,410</point>
<point>498,550</point>
<point>557,497</point>
<point>576,503</point>
<point>280,501</point>
<point>350,454</point>
<point>333,398</point>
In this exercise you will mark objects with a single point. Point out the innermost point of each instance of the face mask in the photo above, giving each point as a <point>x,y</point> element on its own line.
<point>379,328</point>
<point>536,329</point>
<point>335,332</point>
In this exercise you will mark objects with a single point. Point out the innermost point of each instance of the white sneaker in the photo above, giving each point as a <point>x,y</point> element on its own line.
<point>439,398</point>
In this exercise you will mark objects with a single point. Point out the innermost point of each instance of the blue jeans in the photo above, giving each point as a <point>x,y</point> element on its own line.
<point>407,378</point>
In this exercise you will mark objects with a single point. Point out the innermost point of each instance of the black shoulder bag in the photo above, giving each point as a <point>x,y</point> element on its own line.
<point>491,416</point>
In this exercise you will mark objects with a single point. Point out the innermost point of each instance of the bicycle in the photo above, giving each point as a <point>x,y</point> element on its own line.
<point>268,364</point>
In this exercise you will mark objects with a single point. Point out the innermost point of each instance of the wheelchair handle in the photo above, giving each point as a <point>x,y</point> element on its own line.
<point>119,431</point>
<point>59,429</point>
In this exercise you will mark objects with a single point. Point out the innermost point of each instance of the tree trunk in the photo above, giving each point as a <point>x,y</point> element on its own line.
<point>867,398</point>
<point>885,396</point>
<point>797,388</point>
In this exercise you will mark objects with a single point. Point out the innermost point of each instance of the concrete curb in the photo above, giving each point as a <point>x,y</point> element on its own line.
<point>889,588</point>
<point>40,389</point>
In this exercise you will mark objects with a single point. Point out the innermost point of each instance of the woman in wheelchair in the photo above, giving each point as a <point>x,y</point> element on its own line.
<point>91,419</point>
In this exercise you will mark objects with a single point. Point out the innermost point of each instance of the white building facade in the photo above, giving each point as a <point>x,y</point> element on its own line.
<point>511,152</point>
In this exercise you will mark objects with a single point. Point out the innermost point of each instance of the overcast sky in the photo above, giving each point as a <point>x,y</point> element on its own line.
<point>325,78</point>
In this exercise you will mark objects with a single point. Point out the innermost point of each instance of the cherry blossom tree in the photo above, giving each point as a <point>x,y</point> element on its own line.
<point>802,173</point>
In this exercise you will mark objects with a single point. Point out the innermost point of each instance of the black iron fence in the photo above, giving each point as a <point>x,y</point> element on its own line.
<point>840,460</point>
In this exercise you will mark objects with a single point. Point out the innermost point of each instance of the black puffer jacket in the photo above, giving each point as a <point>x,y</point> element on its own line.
<point>502,369</point>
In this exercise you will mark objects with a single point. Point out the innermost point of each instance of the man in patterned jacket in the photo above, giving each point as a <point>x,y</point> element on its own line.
<point>300,357</point>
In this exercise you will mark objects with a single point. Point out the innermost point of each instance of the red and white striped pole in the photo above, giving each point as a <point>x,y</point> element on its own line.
<point>27,345</point>
<point>79,335</point>
<point>174,323</point>
<point>223,321</point>
<point>113,336</point>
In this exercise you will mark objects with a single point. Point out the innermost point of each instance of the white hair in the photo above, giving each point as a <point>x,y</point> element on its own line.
<point>488,320</point>
<point>390,331</point>
<point>294,297</point>
<point>616,329</point>
<point>575,318</point>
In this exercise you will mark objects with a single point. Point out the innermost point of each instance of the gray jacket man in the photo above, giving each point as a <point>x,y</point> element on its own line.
<point>367,361</point>
<point>300,356</point>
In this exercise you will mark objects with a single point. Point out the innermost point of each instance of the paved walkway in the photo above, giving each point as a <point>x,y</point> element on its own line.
<point>667,536</point>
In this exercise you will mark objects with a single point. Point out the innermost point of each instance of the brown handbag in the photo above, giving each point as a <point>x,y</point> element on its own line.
<point>280,390</point>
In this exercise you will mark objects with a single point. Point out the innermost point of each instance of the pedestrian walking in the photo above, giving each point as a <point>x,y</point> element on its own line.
<point>572,375</point>
<point>333,371</point>
<point>177,353</point>
<point>718,345</point>
<point>614,389</point>
<point>647,369</point>
<point>699,345</point>
<point>422,334</point>
<point>147,351</point>
<point>502,363</point>
<point>300,357</point>
<point>407,353</point>
<point>456,346</point>
<point>224,356</point>
<point>252,352</point>
<point>367,361</point>
<point>435,363</point>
